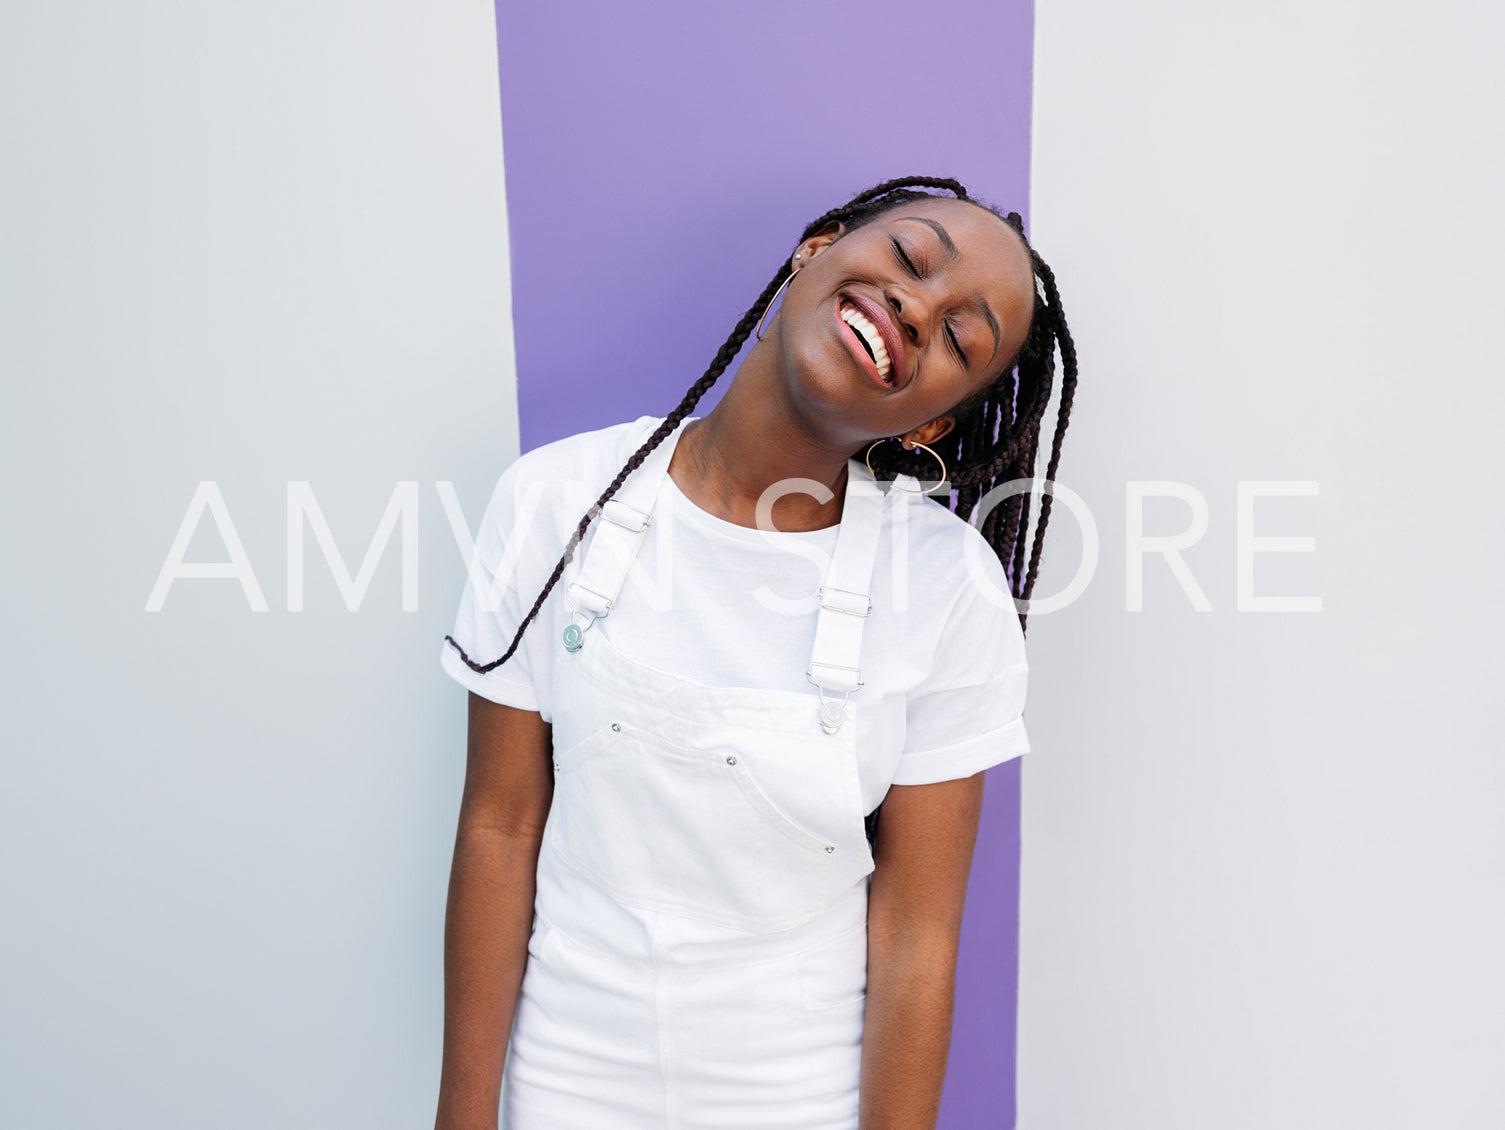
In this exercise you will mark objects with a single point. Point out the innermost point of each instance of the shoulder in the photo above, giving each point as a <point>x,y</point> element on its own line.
<point>956,580</point>
<point>540,496</point>
<point>572,471</point>
<point>949,550</point>
<point>585,456</point>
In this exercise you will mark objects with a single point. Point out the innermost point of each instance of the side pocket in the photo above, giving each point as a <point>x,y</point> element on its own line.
<point>539,938</point>
<point>833,973</point>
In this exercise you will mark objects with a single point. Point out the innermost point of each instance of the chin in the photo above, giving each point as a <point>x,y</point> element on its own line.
<point>829,396</point>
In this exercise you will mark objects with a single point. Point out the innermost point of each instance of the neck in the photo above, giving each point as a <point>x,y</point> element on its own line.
<point>751,441</point>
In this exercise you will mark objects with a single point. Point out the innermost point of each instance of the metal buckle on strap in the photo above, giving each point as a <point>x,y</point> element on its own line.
<point>856,604</point>
<point>600,606</point>
<point>618,513</point>
<point>581,619</point>
<point>832,712</point>
<point>856,673</point>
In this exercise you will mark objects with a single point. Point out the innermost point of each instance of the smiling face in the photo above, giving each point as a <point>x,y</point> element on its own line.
<point>890,325</point>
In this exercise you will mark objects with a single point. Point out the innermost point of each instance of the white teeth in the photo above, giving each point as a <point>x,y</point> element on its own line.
<point>859,322</point>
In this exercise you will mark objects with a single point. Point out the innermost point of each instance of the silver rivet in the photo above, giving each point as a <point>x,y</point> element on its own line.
<point>617,726</point>
<point>830,848</point>
<point>731,761</point>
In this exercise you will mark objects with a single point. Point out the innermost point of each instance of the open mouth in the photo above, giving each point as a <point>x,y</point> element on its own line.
<point>870,339</point>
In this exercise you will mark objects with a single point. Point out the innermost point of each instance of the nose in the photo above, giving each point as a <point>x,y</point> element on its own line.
<point>911,309</point>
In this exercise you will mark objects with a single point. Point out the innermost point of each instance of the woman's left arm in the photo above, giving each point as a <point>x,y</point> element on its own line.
<point>922,859</point>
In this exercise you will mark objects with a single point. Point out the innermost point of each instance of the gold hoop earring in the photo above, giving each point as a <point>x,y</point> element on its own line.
<point>774,299</point>
<point>868,459</point>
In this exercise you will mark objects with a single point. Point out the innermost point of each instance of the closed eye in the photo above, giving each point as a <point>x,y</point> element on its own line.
<point>904,258</point>
<point>956,345</point>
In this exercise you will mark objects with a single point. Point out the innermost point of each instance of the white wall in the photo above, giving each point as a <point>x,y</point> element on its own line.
<point>253,244</point>
<point>1263,852</point>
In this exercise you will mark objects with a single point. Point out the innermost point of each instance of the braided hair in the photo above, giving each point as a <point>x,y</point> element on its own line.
<point>997,432</point>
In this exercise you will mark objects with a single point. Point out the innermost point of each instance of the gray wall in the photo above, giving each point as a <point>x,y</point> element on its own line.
<point>251,245</point>
<point>259,247</point>
<point>1263,857</point>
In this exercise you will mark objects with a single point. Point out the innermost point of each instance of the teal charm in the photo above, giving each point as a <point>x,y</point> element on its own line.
<point>573,637</point>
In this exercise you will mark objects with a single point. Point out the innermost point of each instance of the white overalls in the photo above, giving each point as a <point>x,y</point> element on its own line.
<point>699,957</point>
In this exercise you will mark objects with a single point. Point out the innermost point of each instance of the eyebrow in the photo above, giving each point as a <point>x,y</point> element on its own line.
<point>978,301</point>
<point>982,306</point>
<point>946,240</point>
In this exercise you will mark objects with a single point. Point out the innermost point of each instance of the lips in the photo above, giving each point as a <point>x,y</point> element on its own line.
<point>877,315</point>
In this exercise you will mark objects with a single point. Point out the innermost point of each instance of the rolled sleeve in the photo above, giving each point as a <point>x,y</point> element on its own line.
<point>491,685</point>
<point>967,714</point>
<point>502,557</point>
<point>966,757</point>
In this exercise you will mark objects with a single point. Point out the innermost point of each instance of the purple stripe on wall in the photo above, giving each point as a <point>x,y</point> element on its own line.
<point>661,160</point>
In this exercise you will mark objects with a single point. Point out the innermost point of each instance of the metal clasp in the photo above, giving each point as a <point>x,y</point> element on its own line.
<point>580,622</point>
<point>832,712</point>
<point>861,605</point>
<point>618,513</point>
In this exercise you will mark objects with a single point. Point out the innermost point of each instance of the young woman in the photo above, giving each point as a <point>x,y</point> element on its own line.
<point>669,886</point>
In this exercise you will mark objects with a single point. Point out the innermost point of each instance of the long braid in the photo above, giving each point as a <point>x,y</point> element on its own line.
<point>1067,347</point>
<point>723,358</point>
<point>996,437</point>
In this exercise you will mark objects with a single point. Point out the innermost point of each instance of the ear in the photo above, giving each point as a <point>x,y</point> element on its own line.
<point>929,433</point>
<point>818,242</point>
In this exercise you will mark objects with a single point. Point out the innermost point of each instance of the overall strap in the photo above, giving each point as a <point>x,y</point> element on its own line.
<point>623,525</point>
<point>844,602</point>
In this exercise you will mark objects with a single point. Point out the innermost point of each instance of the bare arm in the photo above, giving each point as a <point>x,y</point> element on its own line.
<point>923,856</point>
<point>508,788</point>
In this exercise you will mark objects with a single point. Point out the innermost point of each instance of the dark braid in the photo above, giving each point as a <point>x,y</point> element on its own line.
<point>997,433</point>
<point>1067,347</point>
<point>996,438</point>
<point>724,355</point>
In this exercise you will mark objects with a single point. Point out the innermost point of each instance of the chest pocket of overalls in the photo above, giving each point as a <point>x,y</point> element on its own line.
<point>689,831</point>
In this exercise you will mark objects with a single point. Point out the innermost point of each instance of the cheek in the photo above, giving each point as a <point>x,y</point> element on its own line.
<point>946,392</point>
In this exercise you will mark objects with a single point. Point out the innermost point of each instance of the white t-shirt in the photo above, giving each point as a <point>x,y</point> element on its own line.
<point>943,659</point>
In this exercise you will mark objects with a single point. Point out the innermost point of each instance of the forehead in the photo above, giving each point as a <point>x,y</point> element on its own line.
<point>972,227</point>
